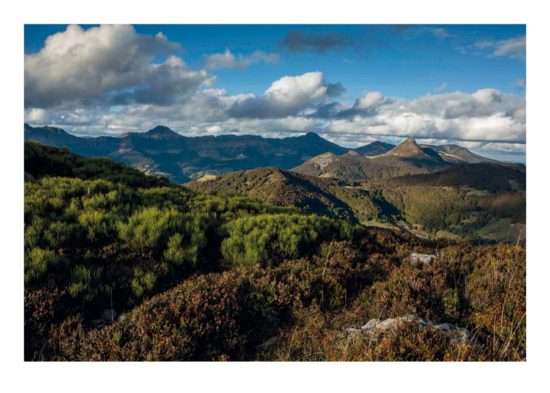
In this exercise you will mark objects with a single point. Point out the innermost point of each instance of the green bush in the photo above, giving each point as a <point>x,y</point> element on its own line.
<point>63,234</point>
<point>268,239</point>
<point>150,228</point>
<point>37,262</point>
<point>99,225</point>
<point>84,282</point>
<point>143,282</point>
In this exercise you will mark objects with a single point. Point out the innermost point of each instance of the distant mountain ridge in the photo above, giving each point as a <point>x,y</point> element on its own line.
<point>407,158</point>
<point>162,151</point>
<point>375,148</point>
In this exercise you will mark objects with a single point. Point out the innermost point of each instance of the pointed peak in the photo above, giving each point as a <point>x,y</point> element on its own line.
<point>161,130</point>
<point>409,149</point>
<point>312,135</point>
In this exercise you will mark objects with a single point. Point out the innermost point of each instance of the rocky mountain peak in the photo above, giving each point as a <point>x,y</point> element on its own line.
<point>408,149</point>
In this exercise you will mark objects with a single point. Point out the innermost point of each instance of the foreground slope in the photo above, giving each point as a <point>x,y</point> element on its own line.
<point>133,270</point>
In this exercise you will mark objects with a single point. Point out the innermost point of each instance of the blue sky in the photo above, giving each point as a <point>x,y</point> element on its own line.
<point>415,78</point>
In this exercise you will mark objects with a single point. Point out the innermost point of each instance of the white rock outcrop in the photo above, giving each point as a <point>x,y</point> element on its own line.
<point>377,326</point>
<point>418,259</point>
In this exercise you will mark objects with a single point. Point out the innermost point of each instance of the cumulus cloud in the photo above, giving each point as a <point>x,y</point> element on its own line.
<point>283,107</point>
<point>228,60</point>
<point>513,48</point>
<point>485,115</point>
<point>370,100</point>
<point>107,64</point>
<point>300,41</point>
<point>286,96</point>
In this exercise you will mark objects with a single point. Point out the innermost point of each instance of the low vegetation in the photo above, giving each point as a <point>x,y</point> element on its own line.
<point>488,205</point>
<point>219,277</point>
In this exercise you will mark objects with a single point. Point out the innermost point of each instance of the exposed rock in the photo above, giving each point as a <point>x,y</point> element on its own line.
<point>352,330</point>
<point>376,327</point>
<point>207,177</point>
<point>418,259</point>
<point>324,159</point>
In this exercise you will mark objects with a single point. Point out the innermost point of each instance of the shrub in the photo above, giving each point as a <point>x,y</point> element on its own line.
<point>63,234</point>
<point>99,226</point>
<point>268,239</point>
<point>496,293</point>
<point>37,262</point>
<point>84,282</point>
<point>223,315</point>
<point>150,228</point>
<point>143,282</point>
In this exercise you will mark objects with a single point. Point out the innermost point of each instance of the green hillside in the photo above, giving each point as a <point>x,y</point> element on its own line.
<point>453,203</point>
<point>134,268</point>
<point>283,188</point>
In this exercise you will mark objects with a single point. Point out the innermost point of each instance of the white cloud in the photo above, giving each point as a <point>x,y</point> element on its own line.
<point>483,44</point>
<point>297,90</point>
<point>287,96</point>
<point>229,60</point>
<point>370,100</point>
<point>107,64</point>
<point>513,47</point>
<point>485,115</point>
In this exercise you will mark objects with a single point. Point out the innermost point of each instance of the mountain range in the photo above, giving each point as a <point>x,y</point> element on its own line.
<point>162,151</point>
<point>408,158</point>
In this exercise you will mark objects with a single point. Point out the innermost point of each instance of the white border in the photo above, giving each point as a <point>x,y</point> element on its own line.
<point>279,377</point>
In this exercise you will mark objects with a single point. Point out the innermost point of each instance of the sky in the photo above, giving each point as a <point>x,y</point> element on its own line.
<point>352,84</point>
